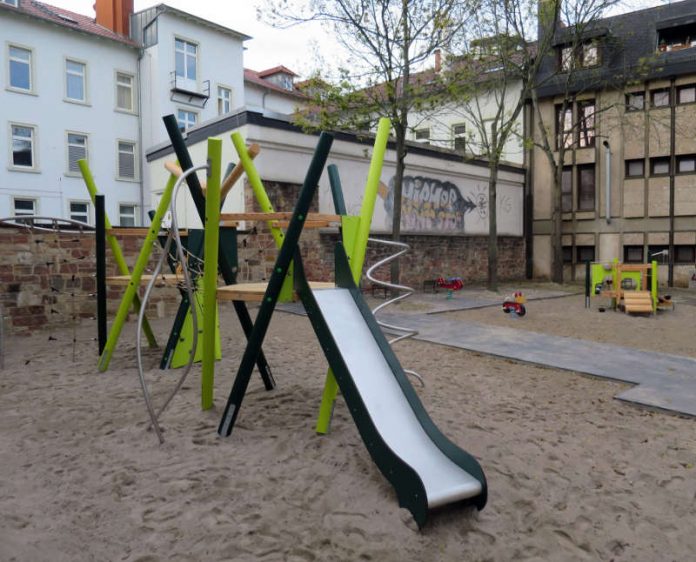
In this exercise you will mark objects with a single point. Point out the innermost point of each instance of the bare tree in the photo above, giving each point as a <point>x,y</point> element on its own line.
<point>386,42</point>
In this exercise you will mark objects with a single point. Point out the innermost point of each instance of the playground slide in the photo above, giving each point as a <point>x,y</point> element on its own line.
<point>425,468</point>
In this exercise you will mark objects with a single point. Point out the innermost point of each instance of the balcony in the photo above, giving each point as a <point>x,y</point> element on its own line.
<point>185,90</point>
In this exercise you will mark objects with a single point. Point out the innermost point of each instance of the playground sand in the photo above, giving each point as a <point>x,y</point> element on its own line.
<point>573,474</point>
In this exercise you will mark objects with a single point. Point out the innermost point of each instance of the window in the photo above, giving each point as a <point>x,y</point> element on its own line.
<point>185,55</point>
<point>685,254</point>
<point>24,207</point>
<point>586,116</point>
<point>79,211</point>
<point>126,215</point>
<point>584,253</point>
<point>187,119</point>
<point>10,2</point>
<point>77,150</point>
<point>566,56</point>
<point>675,38</point>
<point>75,73</point>
<point>686,94</point>
<point>659,98</point>
<point>564,126</point>
<point>422,134</point>
<point>590,54</point>
<point>659,253</point>
<point>567,254</point>
<point>659,166</point>
<point>124,92</point>
<point>686,164</point>
<point>635,101</point>
<point>23,146</point>
<point>633,254</point>
<point>459,136</point>
<point>224,100</point>
<point>586,188</point>
<point>567,190</point>
<point>20,61</point>
<point>585,55</point>
<point>635,168</point>
<point>126,160</point>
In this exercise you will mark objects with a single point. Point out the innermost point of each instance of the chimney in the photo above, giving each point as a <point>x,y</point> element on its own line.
<point>438,60</point>
<point>114,15</point>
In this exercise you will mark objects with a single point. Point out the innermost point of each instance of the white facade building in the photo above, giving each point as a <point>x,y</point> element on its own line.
<point>68,90</point>
<point>273,90</point>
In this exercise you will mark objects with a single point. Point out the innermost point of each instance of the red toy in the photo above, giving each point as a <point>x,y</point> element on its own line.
<point>515,305</point>
<point>451,283</point>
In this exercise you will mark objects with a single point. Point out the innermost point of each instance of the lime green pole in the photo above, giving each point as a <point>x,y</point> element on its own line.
<point>115,248</point>
<point>134,283</point>
<point>210,270</point>
<point>357,256</point>
<point>653,283</point>
<point>256,185</point>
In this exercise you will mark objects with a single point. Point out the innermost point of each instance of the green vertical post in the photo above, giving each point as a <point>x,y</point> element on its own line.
<point>653,283</point>
<point>357,255</point>
<point>134,283</point>
<point>210,270</point>
<point>615,281</point>
<point>115,248</point>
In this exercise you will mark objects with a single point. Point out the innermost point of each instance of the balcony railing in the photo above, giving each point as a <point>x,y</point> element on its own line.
<point>184,90</point>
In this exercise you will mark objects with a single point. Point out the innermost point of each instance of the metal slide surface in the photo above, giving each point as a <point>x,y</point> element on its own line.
<point>386,404</point>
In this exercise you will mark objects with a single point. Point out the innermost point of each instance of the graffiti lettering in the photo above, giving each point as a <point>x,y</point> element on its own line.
<point>428,204</point>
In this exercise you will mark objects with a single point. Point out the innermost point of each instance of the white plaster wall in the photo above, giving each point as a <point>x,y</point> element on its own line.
<point>441,120</point>
<point>219,61</point>
<point>258,98</point>
<point>52,116</point>
<point>285,157</point>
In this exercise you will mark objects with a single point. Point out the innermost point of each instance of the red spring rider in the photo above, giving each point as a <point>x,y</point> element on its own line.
<point>515,304</point>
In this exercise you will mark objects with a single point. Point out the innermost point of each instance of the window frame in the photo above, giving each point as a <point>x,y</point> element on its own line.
<point>87,214</point>
<point>134,144</point>
<point>660,160</point>
<point>683,88</point>
<point>627,167</point>
<point>567,173</point>
<point>68,171</point>
<point>66,74</point>
<point>683,158</point>
<point>628,248</point>
<point>579,191</point>
<point>186,127</point>
<point>34,148</point>
<point>421,131</point>
<point>34,202</point>
<point>221,100</point>
<point>121,214</point>
<point>583,129</point>
<point>564,136</point>
<point>132,111</point>
<point>678,257</point>
<point>186,82</point>
<point>31,90</point>
<point>656,91</point>
<point>461,137</point>
<point>631,107</point>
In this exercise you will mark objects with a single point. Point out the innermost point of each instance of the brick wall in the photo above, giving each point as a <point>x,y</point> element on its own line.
<point>47,280</point>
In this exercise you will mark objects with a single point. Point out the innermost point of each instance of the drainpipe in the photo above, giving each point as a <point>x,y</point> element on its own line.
<point>141,148</point>
<point>607,180</point>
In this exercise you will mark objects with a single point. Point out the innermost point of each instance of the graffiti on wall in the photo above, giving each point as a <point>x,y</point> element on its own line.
<point>429,204</point>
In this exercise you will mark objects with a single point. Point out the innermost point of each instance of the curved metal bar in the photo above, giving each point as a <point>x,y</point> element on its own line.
<point>173,235</point>
<point>405,293</point>
<point>18,221</point>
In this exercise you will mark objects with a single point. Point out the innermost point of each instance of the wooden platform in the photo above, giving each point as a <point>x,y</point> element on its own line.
<point>638,301</point>
<point>163,280</point>
<point>253,292</point>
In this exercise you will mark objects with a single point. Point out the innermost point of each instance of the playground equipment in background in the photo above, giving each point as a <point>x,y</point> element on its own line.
<point>451,284</point>
<point>515,304</point>
<point>424,467</point>
<point>631,287</point>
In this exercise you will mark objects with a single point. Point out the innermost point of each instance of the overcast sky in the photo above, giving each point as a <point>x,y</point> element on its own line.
<point>269,47</point>
<point>294,48</point>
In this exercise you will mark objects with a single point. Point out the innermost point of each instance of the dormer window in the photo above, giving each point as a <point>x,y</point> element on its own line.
<point>584,55</point>
<point>676,37</point>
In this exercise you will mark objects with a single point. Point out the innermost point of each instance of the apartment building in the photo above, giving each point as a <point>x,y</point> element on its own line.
<point>68,90</point>
<point>629,173</point>
<point>75,86</point>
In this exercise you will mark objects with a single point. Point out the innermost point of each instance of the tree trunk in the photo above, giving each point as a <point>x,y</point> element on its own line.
<point>557,224</point>
<point>400,133</point>
<point>493,225</point>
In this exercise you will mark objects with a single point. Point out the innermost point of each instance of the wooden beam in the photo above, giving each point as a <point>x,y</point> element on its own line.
<point>254,292</point>
<point>237,172</point>
<point>174,169</point>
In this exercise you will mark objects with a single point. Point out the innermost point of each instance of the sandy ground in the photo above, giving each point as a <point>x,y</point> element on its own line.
<point>573,474</point>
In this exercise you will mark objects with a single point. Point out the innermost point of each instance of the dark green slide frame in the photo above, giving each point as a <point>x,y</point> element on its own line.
<point>406,482</point>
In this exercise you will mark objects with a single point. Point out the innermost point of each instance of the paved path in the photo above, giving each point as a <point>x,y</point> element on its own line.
<point>663,381</point>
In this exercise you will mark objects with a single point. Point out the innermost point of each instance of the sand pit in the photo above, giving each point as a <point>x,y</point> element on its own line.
<point>572,473</point>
